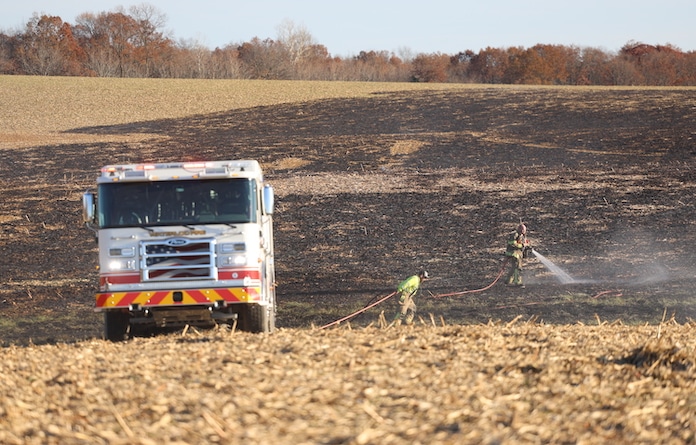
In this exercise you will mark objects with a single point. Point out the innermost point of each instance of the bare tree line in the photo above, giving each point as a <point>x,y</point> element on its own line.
<point>133,43</point>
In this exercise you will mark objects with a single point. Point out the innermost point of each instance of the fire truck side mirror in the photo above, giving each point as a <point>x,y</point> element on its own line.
<point>268,200</point>
<point>88,208</point>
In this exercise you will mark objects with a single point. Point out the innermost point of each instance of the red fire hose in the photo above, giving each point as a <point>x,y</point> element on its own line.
<point>500,274</point>
<point>348,317</point>
<point>385,298</point>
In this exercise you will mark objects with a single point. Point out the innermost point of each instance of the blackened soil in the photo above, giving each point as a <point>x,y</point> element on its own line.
<point>372,190</point>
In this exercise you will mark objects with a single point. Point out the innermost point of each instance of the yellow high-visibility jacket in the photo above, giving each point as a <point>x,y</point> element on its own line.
<point>410,285</point>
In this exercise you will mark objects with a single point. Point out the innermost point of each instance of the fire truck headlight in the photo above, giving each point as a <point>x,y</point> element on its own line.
<point>234,260</point>
<point>122,265</point>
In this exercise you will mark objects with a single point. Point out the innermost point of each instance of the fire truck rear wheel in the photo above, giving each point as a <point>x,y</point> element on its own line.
<point>116,325</point>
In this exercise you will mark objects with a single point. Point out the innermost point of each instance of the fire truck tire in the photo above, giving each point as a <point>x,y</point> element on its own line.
<point>116,325</point>
<point>257,319</point>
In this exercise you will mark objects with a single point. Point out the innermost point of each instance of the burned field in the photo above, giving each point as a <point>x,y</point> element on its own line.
<point>370,190</point>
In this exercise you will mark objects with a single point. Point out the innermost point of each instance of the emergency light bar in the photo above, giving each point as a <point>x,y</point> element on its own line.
<point>179,170</point>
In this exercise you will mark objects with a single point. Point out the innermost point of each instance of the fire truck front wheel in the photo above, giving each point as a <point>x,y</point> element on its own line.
<point>116,325</point>
<point>256,318</point>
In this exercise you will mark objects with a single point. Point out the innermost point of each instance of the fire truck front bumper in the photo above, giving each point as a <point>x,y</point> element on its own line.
<point>173,298</point>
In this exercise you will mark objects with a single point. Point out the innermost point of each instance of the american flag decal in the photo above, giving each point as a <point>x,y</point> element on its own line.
<point>178,259</point>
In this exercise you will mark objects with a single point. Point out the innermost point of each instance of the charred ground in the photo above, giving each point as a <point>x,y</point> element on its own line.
<point>371,190</point>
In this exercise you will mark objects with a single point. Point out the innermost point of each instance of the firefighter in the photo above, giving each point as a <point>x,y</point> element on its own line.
<point>515,251</point>
<point>407,290</point>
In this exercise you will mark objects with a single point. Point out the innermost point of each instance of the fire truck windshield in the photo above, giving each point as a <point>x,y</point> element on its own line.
<point>163,203</point>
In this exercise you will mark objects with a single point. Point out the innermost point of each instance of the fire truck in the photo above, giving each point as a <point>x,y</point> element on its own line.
<point>183,244</point>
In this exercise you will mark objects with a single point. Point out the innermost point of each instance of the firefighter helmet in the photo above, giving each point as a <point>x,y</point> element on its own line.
<point>424,274</point>
<point>522,229</point>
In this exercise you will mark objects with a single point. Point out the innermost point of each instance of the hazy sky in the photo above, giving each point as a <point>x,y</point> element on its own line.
<point>427,26</point>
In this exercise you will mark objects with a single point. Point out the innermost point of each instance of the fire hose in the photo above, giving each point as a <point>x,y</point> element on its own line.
<point>354,314</point>
<point>372,304</point>
<point>500,274</point>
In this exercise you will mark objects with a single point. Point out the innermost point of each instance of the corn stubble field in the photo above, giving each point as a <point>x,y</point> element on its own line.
<point>373,182</point>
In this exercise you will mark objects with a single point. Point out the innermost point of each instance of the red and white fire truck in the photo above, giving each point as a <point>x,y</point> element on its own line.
<point>183,244</point>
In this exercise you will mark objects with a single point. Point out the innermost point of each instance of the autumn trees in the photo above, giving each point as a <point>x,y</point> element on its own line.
<point>133,44</point>
<point>107,44</point>
<point>635,64</point>
<point>117,44</point>
<point>47,48</point>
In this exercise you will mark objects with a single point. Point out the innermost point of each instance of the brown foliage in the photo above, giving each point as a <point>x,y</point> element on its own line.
<point>48,48</point>
<point>265,59</point>
<point>133,45</point>
<point>430,67</point>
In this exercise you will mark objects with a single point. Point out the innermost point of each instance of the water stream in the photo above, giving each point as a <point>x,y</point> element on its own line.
<point>561,275</point>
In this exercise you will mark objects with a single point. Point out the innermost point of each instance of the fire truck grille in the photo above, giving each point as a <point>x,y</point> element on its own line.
<point>178,259</point>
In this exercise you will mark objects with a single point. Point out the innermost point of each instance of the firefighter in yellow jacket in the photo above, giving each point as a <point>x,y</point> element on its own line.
<point>517,245</point>
<point>407,290</point>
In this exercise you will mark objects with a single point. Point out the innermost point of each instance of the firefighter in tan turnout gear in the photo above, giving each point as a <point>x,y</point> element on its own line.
<point>516,249</point>
<point>407,290</point>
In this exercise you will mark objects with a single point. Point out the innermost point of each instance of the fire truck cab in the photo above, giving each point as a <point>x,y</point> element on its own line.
<point>183,244</point>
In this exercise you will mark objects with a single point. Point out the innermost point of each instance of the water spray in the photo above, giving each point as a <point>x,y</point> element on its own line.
<point>561,275</point>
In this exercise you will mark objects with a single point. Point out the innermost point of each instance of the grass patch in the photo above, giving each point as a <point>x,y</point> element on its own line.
<point>71,325</point>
